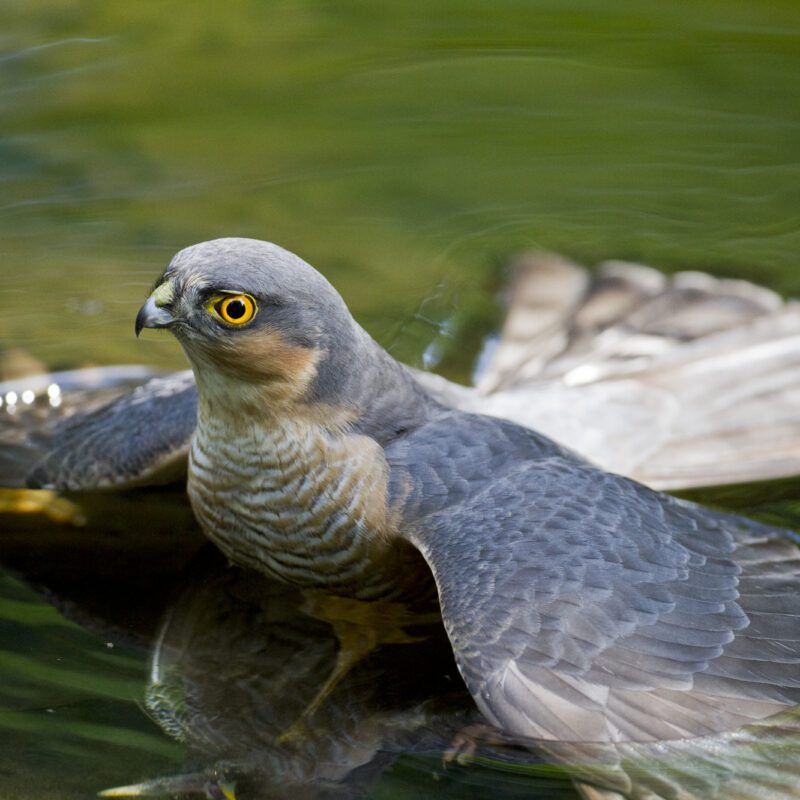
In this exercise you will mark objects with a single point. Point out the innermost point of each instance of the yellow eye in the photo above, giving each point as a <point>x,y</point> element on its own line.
<point>236,309</point>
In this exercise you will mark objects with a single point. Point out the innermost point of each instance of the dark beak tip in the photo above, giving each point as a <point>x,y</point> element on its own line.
<point>140,321</point>
<point>152,316</point>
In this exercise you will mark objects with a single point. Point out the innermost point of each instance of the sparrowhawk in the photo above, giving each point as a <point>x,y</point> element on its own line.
<point>581,606</point>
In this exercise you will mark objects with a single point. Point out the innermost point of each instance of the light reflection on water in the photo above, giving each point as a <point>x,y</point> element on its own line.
<point>403,151</point>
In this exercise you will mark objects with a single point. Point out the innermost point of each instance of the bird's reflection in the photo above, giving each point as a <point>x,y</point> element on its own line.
<point>238,660</point>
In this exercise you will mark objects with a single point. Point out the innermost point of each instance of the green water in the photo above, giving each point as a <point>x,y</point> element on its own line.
<point>404,149</point>
<point>69,720</point>
<point>401,148</point>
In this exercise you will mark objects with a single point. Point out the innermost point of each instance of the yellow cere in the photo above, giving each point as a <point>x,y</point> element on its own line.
<point>234,309</point>
<point>164,294</point>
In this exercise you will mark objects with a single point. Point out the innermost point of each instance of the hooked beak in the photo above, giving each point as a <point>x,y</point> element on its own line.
<point>153,314</point>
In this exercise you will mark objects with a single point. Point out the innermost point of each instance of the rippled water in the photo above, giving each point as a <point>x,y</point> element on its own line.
<point>404,150</point>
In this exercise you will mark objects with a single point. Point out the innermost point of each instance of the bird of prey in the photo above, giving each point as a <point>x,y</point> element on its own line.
<point>582,606</point>
<point>679,382</point>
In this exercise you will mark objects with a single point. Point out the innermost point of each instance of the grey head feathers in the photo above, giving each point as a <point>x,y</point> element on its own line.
<point>254,266</point>
<point>295,299</point>
<point>297,304</point>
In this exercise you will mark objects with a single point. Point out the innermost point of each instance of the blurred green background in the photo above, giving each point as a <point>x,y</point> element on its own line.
<point>402,148</point>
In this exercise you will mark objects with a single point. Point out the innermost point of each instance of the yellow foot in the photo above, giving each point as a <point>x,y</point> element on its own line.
<point>360,627</point>
<point>379,621</point>
<point>293,735</point>
<point>355,643</point>
<point>41,501</point>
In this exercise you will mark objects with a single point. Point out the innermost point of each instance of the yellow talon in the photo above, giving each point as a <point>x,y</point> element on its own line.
<point>41,501</point>
<point>228,790</point>
<point>134,790</point>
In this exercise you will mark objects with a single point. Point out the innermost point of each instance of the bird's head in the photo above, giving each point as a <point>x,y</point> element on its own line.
<point>254,318</point>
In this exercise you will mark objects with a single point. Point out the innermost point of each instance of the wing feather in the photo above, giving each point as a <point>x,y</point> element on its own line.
<point>140,438</point>
<point>585,607</point>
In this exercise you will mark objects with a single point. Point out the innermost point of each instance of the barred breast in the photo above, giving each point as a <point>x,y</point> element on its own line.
<point>295,502</point>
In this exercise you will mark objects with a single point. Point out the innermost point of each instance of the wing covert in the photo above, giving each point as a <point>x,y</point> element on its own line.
<point>585,607</point>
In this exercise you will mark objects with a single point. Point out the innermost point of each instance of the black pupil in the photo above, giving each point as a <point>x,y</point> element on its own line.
<point>236,309</point>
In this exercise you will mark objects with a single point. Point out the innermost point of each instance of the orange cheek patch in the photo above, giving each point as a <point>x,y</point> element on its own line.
<point>265,356</point>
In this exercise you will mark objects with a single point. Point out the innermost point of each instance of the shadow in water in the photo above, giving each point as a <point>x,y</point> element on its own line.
<point>237,662</point>
<point>237,658</point>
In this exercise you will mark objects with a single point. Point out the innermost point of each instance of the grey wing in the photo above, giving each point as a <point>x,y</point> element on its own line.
<point>567,324</point>
<point>141,438</point>
<point>584,607</point>
<point>665,377</point>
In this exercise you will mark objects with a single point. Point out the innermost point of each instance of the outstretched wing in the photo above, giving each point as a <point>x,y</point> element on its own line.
<point>585,607</point>
<point>140,438</point>
<point>676,381</point>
